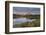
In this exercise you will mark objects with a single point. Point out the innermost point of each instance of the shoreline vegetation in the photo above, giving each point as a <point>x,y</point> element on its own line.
<point>35,23</point>
<point>26,16</point>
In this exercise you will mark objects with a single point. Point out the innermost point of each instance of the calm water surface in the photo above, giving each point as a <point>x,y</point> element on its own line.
<point>21,20</point>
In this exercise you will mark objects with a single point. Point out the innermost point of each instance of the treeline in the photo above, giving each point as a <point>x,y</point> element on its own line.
<point>27,16</point>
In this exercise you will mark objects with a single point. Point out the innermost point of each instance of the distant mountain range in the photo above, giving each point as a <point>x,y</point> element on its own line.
<point>26,13</point>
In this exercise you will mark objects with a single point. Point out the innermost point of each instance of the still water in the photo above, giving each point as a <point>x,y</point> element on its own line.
<point>21,20</point>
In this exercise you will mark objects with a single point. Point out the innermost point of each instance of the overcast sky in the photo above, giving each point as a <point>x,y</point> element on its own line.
<point>26,9</point>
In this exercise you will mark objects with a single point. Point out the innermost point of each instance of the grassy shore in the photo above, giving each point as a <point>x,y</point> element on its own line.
<point>35,23</point>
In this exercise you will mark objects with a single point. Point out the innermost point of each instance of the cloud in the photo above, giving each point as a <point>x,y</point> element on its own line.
<point>26,9</point>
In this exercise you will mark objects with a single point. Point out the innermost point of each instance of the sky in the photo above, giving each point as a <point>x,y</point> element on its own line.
<point>26,9</point>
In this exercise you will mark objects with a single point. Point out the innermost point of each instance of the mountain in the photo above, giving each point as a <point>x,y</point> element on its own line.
<point>26,13</point>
